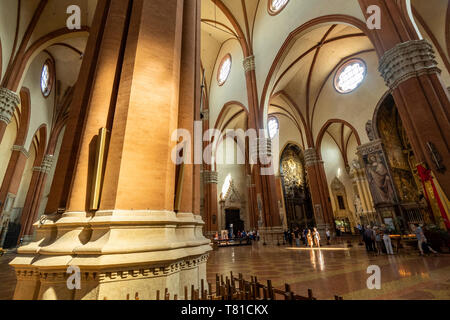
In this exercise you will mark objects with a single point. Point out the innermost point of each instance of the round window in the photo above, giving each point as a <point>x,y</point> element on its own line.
<point>350,76</point>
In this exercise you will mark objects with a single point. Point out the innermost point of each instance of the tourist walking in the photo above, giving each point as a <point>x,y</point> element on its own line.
<point>422,241</point>
<point>328,233</point>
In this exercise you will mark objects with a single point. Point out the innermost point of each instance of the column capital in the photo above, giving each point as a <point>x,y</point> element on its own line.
<point>249,64</point>
<point>371,147</point>
<point>261,147</point>
<point>47,163</point>
<point>311,157</point>
<point>407,60</point>
<point>9,101</point>
<point>210,177</point>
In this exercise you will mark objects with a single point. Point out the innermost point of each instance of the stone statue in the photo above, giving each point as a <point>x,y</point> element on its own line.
<point>370,131</point>
<point>358,205</point>
<point>379,180</point>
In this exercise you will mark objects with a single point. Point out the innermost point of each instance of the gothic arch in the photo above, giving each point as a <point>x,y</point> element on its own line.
<point>39,45</point>
<point>24,116</point>
<point>295,34</point>
<point>342,145</point>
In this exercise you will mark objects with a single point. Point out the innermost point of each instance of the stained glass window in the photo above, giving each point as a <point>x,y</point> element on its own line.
<point>46,80</point>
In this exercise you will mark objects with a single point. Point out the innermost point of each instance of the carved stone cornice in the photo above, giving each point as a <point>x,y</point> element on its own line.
<point>407,60</point>
<point>21,149</point>
<point>9,101</point>
<point>249,64</point>
<point>210,177</point>
<point>311,158</point>
<point>371,147</point>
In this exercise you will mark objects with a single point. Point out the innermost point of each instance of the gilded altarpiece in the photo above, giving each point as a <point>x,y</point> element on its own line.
<point>299,211</point>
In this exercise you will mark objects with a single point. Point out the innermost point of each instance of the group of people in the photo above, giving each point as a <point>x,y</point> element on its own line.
<point>377,239</point>
<point>252,235</point>
<point>229,235</point>
<point>309,237</point>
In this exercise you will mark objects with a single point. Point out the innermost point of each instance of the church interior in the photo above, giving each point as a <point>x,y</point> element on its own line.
<point>147,146</point>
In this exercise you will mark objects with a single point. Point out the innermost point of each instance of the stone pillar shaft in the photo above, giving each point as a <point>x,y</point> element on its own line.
<point>99,112</point>
<point>319,190</point>
<point>410,70</point>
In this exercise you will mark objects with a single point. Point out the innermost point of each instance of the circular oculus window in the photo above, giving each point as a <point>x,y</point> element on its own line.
<point>350,76</point>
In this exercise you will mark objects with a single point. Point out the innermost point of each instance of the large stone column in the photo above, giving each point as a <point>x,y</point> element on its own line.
<point>9,101</point>
<point>210,181</point>
<point>408,66</point>
<point>34,197</point>
<point>271,227</point>
<point>320,193</point>
<point>134,243</point>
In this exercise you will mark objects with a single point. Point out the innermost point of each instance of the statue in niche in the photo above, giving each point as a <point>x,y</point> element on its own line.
<point>370,131</point>
<point>379,180</point>
<point>358,204</point>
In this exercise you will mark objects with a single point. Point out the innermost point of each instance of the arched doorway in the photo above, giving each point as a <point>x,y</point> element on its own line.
<point>297,197</point>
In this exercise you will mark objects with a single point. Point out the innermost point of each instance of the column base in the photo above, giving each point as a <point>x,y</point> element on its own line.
<point>126,253</point>
<point>271,235</point>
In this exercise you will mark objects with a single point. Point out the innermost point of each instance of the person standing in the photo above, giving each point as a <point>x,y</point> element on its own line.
<point>297,236</point>
<point>310,239</point>
<point>378,240</point>
<point>369,239</point>
<point>316,236</point>
<point>328,233</point>
<point>387,240</point>
<point>305,236</point>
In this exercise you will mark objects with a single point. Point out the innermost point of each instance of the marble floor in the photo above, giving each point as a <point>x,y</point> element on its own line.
<point>337,270</point>
<point>331,271</point>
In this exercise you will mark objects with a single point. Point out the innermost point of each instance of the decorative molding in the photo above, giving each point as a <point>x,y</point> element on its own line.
<point>47,163</point>
<point>106,276</point>
<point>9,101</point>
<point>371,147</point>
<point>210,177</point>
<point>21,149</point>
<point>407,60</point>
<point>262,148</point>
<point>249,64</point>
<point>311,158</point>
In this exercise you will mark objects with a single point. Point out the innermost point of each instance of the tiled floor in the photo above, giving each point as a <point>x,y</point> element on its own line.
<point>328,272</point>
<point>338,271</point>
